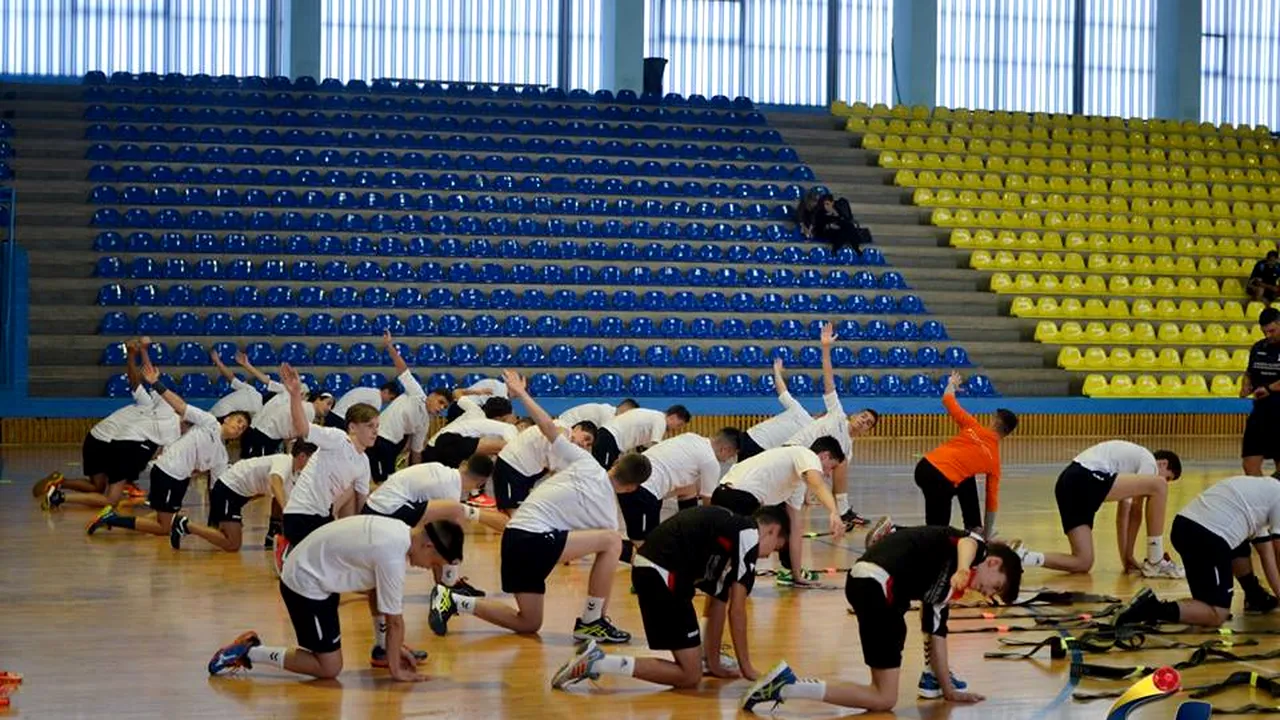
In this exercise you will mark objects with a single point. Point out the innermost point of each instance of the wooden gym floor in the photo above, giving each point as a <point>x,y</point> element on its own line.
<point>120,625</point>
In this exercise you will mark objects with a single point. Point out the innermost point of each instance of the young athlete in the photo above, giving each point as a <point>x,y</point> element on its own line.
<point>474,435</point>
<point>948,470</point>
<point>572,514</point>
<point>201,449</point>
<point>777,430</point>
<point>365,554</point>
<point>1212,535</point>
<point>711,549</point>
<point>273,425</point>
<point>525,460</point>
<point>684,466</point>
<point>270,476</point>
<point>378,397</point>
<point>243,396</point>
<point>1262,383</point>
<point>783,475</point>
<point>931,564</point>
<point>429,492</point>
<point>487,388</point>
<point>1120,472</point>
<point>635,430</point>
<point>598,414</point>
<point>406,418</point>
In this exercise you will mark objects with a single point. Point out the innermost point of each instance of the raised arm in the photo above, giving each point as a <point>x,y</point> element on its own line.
<point>828,337</point>
<point>517,388</point>
<point>389,343</point>
<point>132,348</point>
<point>957,413</point>
<point>152,377</point>
<point>293,385</point>
<point>243,361</point>
<point>222,369</point>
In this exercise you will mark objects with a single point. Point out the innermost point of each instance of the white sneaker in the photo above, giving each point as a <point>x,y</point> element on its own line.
<point>1166,568</point>
<point>1020,548</point>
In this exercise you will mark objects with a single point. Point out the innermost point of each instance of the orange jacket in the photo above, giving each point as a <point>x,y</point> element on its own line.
<point>975,450</point>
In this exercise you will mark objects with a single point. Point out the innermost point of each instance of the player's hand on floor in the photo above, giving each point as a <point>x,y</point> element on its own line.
<point>835,525</point>
<point>748,672</point>
<point>967,698</point>
<point>720,671</point>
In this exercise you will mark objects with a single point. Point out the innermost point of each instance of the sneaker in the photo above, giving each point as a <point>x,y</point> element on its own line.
<point>1020,549</point>
<point>442,608</point>
<point>769,687</point>
<point>378,656</point>
<point>929,687</point>
<point>728,660</point>
<point>100,520</point>
<point>41,488</point>
<point>132,490</point>
<point>601,631</point>
<point>1139,610</point>
<point>177,530</point>
<point>53,497</point>
<point>580,667</point>
<point>787,578</point>
<point>1166,568</point>
<point>482,500</point>
<point>281,552</point>
<point>852,520</point>
<point>1261,604</point>
<point>883,527</point>
<point>466,589</point>
<point>234,656</point>
<point>273,529</point>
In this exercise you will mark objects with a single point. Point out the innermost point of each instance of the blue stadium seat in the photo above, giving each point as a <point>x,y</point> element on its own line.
<point>955,357</point>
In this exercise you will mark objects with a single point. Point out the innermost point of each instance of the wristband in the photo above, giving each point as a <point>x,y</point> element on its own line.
<point>471,512</point>
<point>156,387</point>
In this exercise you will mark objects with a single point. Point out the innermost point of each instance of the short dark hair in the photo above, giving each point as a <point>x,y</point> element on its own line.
<point>303,447</point>
<point>496,407</point>
<point>1272,255</point>
<point>680,411</point>
<point>236,413</point>
<point>731,435</point>
<point>588,427</point>
<point>829,445</point>
<point>1012,566</point>
<point>392,387</point>
<point>875,416</point>
<point>481,465</point>
<point>315,395</point>
<point>448,396</point>
<point>1007,420</point>
<point>632,468</point>
<point>447,538</point>
<point>1268,316</point>
<point>1172,460</point>
<point>628,402</point>
<point>774,515</point>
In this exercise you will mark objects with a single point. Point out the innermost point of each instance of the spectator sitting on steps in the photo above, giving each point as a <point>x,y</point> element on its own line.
<point>1264,279</point>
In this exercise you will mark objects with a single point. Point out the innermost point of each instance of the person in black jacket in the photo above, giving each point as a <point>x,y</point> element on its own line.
<point>824,217</point>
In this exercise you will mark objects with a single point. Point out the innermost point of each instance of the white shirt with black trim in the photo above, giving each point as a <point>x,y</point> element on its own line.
<point>599,413</point>
<point>494,388</point>
<point>333,469</point>
<point>640,426</point>
<point>1118,457</point>
<point>243,398</point>
<point>356,396</point>
<point>1238,509</point>
<point>682,461</point>
<point>775,476</point>
<point>200,449</point>
<point>477,427</point>
<point>354,554</point>
<point>252,476</point>
<point>275,420</point>
<point>780,428</point>
<point>578,497</point>
<point>416,484</point>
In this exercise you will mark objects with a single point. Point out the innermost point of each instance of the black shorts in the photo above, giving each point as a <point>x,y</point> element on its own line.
<point>641,511</point>
<point>409,514</point>
<point>1080,493</point>
<point>1262,431</point>
<point>528,559</point>
<point>382,458</point>
<point>225,504</point>
<point>453,412</point>
<point>315,622</point>
<point>297,526</point>
<point>739,501</point>
<point>748,447</point>
<point>1207,559</point>
<point>255,443</point>
<point>120,460</point>
<point>166,493</point>
<point>510,486</point>
<point>451,449</point>
<point>881,626</point>
<point>605,448</point>
<point>670,620</point>
<point>95,457</point>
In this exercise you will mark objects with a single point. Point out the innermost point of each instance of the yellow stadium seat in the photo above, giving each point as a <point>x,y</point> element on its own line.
<point>1239,335</point>
<point>1046,283</point>
<point>981,260</point>
<point>1169,332</point>
<point>1239,360</point>
<point>1192,333</point>
<point>1097,332</point>
<point>1171,386</point>
<point>1215,333</point>
<point>1073,284</point>
<point>1093,307</point>
<point>1026,307</point>
<point>1194,359</point>
<point>1120,358</point>
<point>1144,386</point>
<point>1117,309</point>
<point>1195,386</point>
<point>1219,359</point>
<point>1071,307</point>
<point>1069,357</point>
<point>1223,386</point>
<point>1071,332</point>
<point>1145,358</point>
<point>1143,332</point>
<point>1096,386</point>
<point>1000,282</point>
<point>1095,358</point>
<point>1120,386</point>
<point>1169,359</point>
<point>1142,308</point>
<point>1047,331</point>
<point>1119,332</point>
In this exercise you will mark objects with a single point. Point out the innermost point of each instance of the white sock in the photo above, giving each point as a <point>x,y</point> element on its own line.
<point>380,631</point>
<point>842,503</point>
<point>465,604</point>
<point>450,574</point>
<point>1155,549</point>
<point>1033,559</point>
<point>267,655</point>
<point>594,610</point>
<point>805,690</point>
<point>616,665</point>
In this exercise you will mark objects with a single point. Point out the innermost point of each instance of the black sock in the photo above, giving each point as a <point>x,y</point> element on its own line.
<point>1167,611</point>
<point>1249,583</point>
<point>628,549</point>
<point>122,521</point>
<point>686,503</point>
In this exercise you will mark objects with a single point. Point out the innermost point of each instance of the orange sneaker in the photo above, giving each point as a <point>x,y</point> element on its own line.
<point>482,500</point>
<point>41,488</point>
<point>281,550</point>
<point>132,490</point>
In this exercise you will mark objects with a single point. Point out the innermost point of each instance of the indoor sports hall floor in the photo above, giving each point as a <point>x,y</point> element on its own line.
<point>119,625</point>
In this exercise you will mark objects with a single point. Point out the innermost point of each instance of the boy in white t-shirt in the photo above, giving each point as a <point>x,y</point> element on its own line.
<point>572,514</point>
<point>777,430</point>
<point>1120,472</point>
<point>243,396</point>
<point>636,430</point>
<point>364,554</point>
<point>524,461</point>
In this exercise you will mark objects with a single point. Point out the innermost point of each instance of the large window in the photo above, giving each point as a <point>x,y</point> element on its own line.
<point>1240,62</point>
<point>864,30</point>
<point>1119,58</point>
<point>72,37</point>
<point>1006,54</point>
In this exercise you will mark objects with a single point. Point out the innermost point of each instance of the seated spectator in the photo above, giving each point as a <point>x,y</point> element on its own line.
<point>836,225</point>
<point>808,211</point>
<point>1264,279</point>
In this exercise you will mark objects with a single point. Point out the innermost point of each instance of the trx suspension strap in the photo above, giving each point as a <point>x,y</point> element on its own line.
<point>1202,655</point>
<point>1095,642</point>
<point>1045,596</point>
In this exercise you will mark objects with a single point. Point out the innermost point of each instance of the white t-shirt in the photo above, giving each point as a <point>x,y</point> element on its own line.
<point>354,554</point>
<point>252,476</point>
<point>1118,457</point>
<point>333,469</point>
<point>275,420</point>
<point>775,476</point>
<point>406,415</point>
<point>469,407</point>
<point>1238,508</point>
<point>637,427</point>
<point>834,424</point>
<point>780,428</point>
<point>147,419</point>
<point>529,453</point>
<point>199,449</point>
<point>494,388</point>
<point>599,413</point>
<point>416,484</point>
<point>356,396</point>
<point>243,398</point>
<point>682,461</point>
<point>472,426</point>
<point>578,497</point>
